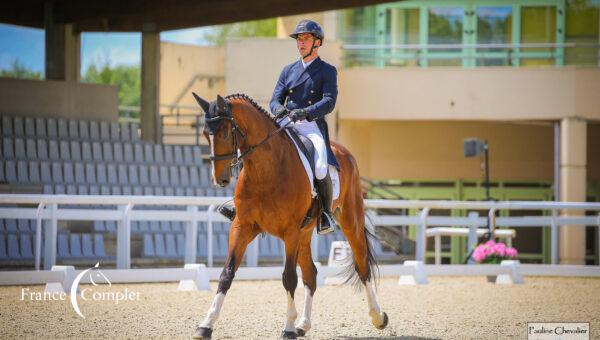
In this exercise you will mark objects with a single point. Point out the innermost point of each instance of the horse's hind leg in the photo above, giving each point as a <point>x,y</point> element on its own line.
<point>353,225</point>
<point>309,278</point>
<point>239,238</point>
<point>290,282</point>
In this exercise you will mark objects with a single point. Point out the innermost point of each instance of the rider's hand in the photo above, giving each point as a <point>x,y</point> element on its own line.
<point>298,114</point>
<point>280,112</point>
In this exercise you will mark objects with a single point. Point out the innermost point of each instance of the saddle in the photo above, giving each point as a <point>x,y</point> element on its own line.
<point>305,145</point>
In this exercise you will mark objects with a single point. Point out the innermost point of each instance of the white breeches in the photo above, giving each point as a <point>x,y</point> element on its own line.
<point>311,131</point>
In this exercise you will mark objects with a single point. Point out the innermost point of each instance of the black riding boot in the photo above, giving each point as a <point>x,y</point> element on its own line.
<point>227,211</point>
<point>326,223</point>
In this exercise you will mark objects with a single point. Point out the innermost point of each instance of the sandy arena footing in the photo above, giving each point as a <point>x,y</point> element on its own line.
<point>447,308</point>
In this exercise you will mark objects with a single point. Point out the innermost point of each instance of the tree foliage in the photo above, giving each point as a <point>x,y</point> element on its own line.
<point>18,70</point>
<point>126,78</point>
<point>218,35</point>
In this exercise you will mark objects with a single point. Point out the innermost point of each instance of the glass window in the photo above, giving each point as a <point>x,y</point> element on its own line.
<point>494,26</point>
<point>538,25</point>
<point>581,28</point>
<point>445,27</point>
<point>403,29</point>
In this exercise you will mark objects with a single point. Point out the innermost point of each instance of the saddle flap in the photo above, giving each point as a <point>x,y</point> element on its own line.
<point>305,145</point>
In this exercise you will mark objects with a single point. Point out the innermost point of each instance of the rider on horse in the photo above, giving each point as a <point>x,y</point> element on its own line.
<point>306,91</point>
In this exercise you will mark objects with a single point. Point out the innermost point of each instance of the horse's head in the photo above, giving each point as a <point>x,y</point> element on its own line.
<point>220,131</point>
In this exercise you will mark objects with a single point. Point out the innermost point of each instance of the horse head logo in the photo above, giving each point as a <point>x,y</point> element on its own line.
<point>95,276</point>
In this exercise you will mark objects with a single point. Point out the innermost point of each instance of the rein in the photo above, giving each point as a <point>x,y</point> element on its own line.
<point>236,128</point>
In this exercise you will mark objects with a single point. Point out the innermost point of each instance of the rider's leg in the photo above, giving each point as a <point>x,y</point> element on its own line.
<point>324,185</point>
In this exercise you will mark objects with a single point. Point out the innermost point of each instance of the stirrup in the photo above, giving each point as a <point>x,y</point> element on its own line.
<point>228,212</point>
<point>325,227</point>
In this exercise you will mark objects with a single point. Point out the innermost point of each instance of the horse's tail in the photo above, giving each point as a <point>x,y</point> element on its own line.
<point>362,232</point>
<point>351,273</point>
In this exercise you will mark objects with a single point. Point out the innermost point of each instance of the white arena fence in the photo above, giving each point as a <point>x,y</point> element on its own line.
<point>52,208</point>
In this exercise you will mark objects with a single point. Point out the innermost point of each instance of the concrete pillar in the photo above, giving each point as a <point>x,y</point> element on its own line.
<point>572,186</point>
<point>63,48</point>
<point>150,100</point>
<point>72,53</point>
<point>330,25</point>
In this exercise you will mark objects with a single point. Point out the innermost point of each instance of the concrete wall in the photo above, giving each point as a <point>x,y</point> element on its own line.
<point>187,68</point>
<point>35,98</point>
<point>434,150</point>
<point>469,94</point>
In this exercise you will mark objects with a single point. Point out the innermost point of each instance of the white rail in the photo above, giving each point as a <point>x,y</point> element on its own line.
<point>48,207</point>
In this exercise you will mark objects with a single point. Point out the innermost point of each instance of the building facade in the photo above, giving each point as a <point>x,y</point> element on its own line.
<point>418,77</point>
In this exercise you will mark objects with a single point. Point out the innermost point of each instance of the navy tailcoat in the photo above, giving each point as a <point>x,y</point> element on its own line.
<point>313,89</point>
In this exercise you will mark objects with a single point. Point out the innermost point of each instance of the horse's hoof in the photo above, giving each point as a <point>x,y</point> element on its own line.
<point>300,332</point>
<point>203,333</point>
<point>385,321</point>
<point>288,335</point>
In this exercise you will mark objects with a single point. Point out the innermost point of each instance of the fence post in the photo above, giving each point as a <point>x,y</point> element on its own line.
<point>554,238</point>
<point>314,246</point>
<point>197,128</point>
<point>124,238</point>
<point>492,223</point>
<point>472,238</point>
<point>191,235</point>
<point>421,236</point>
<point>598,244</point>
<point>38,236</point>
<point>209,235</point>
<point>50,239</point>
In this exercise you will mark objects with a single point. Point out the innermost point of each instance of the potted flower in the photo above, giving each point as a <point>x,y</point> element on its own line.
<point>493,252</point>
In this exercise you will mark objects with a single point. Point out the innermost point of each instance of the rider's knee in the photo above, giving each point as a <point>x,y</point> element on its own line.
<point>320,171</point>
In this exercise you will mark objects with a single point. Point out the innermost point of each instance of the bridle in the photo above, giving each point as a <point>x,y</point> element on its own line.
<point>235,129</point>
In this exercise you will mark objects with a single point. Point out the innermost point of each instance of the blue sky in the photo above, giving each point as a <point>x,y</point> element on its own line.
<point>27,46</point>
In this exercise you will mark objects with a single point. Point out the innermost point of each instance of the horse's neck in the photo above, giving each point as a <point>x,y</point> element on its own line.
<point>264,163</point>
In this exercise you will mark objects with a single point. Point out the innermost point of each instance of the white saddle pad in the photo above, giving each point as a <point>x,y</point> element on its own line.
<point>335,178</point>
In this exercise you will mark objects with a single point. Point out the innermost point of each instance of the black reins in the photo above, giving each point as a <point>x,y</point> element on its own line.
<point>236,128</point>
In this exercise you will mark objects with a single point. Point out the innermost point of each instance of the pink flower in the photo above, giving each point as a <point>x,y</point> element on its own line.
<point>490,243</point>
<point>511,252</point>
<point>478,254</point>
<point>499,249</point>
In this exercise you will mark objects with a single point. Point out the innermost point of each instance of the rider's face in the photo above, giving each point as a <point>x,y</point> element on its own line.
<point>304,42</point>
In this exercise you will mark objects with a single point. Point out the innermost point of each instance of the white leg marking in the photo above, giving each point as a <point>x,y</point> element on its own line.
<point>213,311</point>
<point>211,138</point>
<point>292,314</point>
<point>374,309</point>
<point>304,323</point>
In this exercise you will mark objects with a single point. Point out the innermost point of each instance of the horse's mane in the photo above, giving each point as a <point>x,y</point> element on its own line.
<point>252,102</point>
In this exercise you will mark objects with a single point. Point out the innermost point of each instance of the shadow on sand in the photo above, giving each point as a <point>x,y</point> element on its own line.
<point>403,337</point>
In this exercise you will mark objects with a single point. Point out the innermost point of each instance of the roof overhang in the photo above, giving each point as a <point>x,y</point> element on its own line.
<point>159,15</point>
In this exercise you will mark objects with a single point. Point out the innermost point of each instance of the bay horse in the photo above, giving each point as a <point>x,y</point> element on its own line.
<point>273,195</point>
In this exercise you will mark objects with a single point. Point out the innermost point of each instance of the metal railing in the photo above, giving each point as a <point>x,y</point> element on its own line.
<point>187,120</point>
<point>47,207</point>
<point>509,53</point>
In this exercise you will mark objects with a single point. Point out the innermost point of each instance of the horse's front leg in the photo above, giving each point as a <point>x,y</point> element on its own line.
<point>290,282</point>
<point>239,238</point>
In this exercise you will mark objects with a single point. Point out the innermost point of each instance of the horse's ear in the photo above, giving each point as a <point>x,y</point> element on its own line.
<point>221,105</point>
<point>203,103</point>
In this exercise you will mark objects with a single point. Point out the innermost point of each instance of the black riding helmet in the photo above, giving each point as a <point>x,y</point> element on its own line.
<point>309,26</point>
